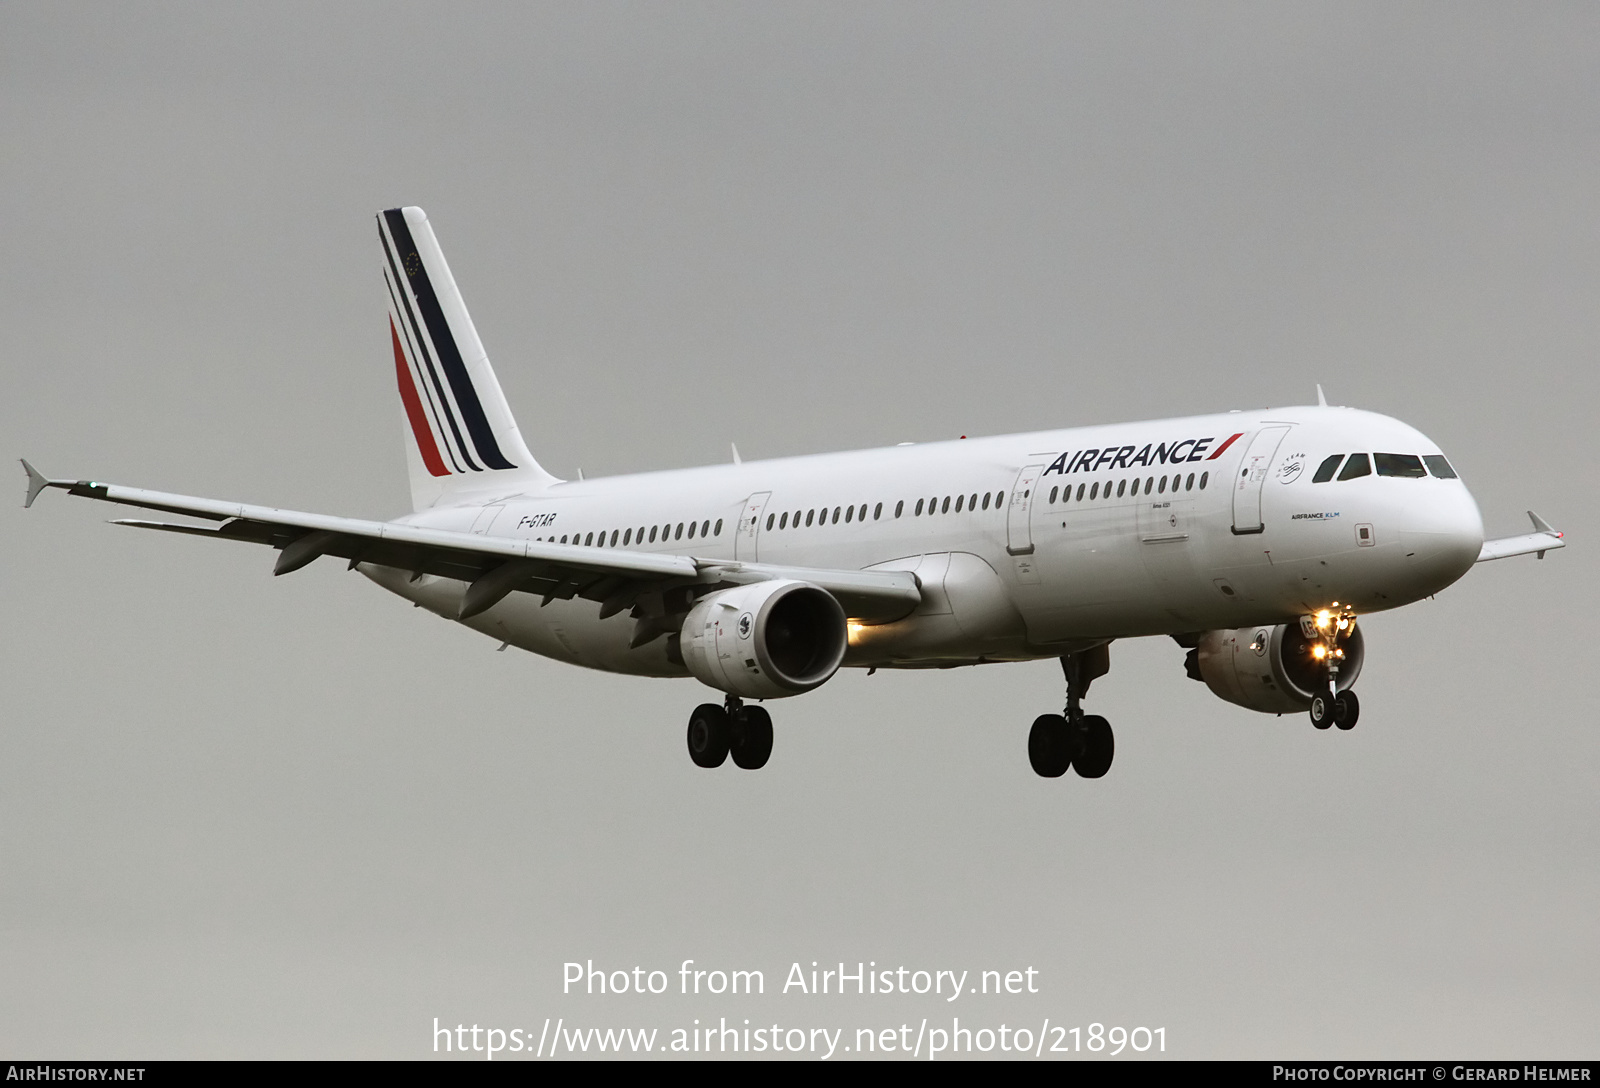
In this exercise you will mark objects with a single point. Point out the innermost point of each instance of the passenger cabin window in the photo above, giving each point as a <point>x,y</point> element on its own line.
<point>899,507</point>
<point>877,512</point>
<point>1405,465</point>
<point>716,530</point>
<point>1358,465</point>
<point>1439,466</point>
<point>1326,470</point>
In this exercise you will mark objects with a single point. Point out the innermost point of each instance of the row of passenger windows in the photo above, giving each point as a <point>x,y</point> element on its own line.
<point>1405,465</point>
<point>935,505</point>
<point>625,537</point>
<point>1152,485</point>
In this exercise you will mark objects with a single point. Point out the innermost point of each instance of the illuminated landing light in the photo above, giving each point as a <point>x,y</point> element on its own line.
<point>852,631</point>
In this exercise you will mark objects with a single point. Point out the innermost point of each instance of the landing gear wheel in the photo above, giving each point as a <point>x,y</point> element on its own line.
<point>750,737</point>
<point>1322,710</point>
<point>1050,746</point>
<point>1346,709</point>
<point>1099,745</point>
<point>708,735</point>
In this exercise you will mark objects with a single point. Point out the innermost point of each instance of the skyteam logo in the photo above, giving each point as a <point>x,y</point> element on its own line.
<point>1164,453</point>
<point>442,406</point>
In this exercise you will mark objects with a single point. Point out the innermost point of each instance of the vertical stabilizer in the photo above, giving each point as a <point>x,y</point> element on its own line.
<point>461,436</point>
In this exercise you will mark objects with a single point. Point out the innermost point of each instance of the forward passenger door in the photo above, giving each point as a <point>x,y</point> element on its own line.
<point>1249,478</point>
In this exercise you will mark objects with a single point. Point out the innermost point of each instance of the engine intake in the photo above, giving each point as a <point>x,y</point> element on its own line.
<point>1271,669</point>
<point>767,640</point>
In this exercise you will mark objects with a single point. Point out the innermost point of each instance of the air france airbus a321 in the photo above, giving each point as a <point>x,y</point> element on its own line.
<point>1253,539</point>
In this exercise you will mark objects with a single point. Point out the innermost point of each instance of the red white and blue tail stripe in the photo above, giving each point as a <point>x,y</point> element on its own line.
<point>463,435</point>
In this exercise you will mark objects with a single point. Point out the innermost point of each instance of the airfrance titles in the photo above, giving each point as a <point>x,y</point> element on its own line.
<point>1152,453</point>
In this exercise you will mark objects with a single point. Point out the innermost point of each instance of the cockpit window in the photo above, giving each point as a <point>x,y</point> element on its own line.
<point>1439,466</point>
<point>1326,470</point>
<point>1408,465</point>
<point>1358,465</point>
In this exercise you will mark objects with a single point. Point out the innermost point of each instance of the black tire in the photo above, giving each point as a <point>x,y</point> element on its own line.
<point>1321,710</point>
<point>750,738</point>
<point>1050,746</point>
<point>708,735</point>
<point>1346,709</point>
<point>1099,747</point>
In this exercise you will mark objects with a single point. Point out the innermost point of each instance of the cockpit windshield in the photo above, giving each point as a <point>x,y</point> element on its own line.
<point>1406,466</point>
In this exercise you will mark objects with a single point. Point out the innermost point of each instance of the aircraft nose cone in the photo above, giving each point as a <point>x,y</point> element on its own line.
<point>1443,537</point>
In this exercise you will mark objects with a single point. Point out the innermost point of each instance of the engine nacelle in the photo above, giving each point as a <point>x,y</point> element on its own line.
<point>766,640</point>
<point>1271,669</point>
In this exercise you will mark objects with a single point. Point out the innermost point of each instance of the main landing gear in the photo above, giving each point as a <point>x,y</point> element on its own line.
<point>1072,738</point>
<point>1329,705</point>
<point>716,732</point>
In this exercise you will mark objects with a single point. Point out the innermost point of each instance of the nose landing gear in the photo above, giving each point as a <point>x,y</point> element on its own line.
<point>715,732</point>
<point>1329,705</point>
<point>1072,738</point>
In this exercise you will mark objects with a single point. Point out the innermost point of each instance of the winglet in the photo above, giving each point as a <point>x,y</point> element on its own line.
<point>37,482</point>
<point>1322,401</point>
<point>1539,523</point>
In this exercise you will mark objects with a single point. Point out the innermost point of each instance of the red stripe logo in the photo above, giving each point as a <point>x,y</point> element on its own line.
<point>414,412</point>
<point>1231,440</point>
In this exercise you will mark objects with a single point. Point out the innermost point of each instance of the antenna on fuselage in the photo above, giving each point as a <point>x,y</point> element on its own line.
<point>736,458</point>
<point>1322,401</point>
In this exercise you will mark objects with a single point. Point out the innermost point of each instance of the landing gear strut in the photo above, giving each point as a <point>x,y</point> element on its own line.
<point>1326,629</point>
<point>715,732</point>
<point>1072,738</point>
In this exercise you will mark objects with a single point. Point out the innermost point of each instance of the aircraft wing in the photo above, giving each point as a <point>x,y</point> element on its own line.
<point>492,566</point>
<point>1542,540</point>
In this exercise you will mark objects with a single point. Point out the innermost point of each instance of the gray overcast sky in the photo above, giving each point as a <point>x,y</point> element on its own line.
<point>242,816</point>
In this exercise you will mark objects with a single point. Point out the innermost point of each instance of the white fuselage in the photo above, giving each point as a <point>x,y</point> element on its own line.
<point>1183,525</point>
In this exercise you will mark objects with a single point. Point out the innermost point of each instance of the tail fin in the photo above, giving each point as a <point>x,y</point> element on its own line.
<point>462,436</point>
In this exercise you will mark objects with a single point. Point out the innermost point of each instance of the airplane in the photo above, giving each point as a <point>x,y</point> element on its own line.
<point>1254,539</point>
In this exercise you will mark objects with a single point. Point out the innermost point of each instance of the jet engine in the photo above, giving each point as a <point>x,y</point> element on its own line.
<point>766,640</point>
<point>1271,669</point>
